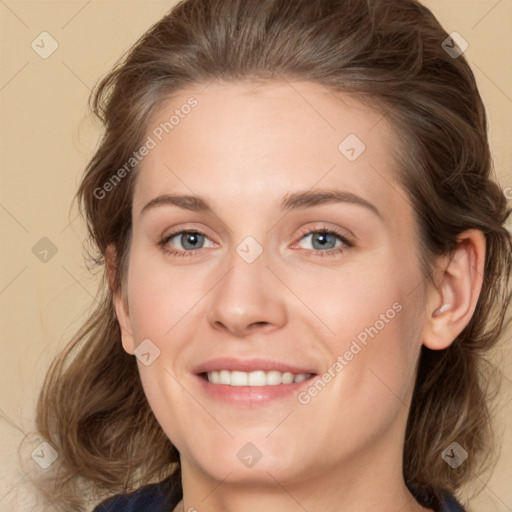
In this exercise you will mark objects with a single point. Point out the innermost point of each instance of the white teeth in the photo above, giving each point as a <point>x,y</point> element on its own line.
<point>256,378</point>
<point>238,379</point>
<point>273,378</point>
<point>287,378</point>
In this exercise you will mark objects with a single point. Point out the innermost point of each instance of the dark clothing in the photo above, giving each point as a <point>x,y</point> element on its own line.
<point>163,497</point>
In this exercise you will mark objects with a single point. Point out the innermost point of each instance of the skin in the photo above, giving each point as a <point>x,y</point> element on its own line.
<point>242,149</point>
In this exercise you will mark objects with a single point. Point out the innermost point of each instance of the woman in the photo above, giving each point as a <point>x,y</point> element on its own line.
<point>305,263</point>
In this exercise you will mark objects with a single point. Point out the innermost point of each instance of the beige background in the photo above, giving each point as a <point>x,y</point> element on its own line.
<point>47,136</point>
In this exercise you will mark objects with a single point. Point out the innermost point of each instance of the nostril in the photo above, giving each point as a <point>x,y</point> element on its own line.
<point>257,324</point>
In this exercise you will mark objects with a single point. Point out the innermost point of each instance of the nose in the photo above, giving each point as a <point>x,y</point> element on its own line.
<point>249,298</point>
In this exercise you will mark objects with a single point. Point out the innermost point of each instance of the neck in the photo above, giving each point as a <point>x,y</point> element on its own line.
<point>370,479</point>
<point>278,497</point>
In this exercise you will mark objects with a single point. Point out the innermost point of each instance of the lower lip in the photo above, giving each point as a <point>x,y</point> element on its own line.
<point>250,395</point>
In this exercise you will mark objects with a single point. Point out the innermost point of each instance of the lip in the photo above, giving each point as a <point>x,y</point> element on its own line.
<point>250,396</point>
<point>250,365</point>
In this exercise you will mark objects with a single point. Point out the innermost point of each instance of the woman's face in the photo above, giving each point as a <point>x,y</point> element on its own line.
<point>258,295</point>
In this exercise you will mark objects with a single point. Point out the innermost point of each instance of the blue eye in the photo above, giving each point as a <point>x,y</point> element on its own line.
<point>189,238</point>
<point>322,239</point>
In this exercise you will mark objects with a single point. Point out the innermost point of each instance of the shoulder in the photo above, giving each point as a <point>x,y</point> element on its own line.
<point>439,500</point>
<point>153,497</point>
<point>149,497</point>
<point>450,504</point>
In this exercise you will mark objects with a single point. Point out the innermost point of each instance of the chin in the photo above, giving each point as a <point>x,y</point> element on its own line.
<point>246,461</point>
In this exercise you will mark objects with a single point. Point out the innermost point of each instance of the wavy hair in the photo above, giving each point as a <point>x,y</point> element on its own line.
<point>92,408</point>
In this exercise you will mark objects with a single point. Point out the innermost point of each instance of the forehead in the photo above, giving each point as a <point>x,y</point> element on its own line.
<point>266,140</point>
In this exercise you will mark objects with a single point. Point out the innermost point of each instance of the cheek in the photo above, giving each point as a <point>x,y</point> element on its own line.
<point>373,359</point>
<point>163,304</point>
<point>160,297</point>
<point>373,320</point>
<point>364,302</point>
<point>158,310</point>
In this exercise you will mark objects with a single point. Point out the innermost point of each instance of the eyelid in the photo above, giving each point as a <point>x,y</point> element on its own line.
<point>172,232</point>
<point>347,241</point>
<point>164,240</point>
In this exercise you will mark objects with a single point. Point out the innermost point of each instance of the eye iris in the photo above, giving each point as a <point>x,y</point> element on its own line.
<point>186,237</point>
<point>323,240</point>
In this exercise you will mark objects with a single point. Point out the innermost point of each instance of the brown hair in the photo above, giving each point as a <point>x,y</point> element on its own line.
<point>92,407</point>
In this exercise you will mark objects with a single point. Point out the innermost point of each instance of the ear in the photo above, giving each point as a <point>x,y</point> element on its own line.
<point>452,302</point>
<point>120,301</point>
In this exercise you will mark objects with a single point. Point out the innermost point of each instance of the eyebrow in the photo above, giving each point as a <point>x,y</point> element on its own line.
<point>295,201</point>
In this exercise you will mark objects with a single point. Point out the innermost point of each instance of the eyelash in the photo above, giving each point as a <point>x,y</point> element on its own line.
<point>330,252</point>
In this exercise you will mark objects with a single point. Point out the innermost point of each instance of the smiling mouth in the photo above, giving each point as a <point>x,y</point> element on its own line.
<point>255,378</point>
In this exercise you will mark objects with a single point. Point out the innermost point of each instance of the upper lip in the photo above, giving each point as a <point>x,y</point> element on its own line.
<point>249,365</point>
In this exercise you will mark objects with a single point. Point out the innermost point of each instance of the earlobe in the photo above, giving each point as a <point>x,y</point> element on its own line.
<point>119,302</point>
<point>453,301</point>
<point>123,319</point>
<point>111,266</point>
